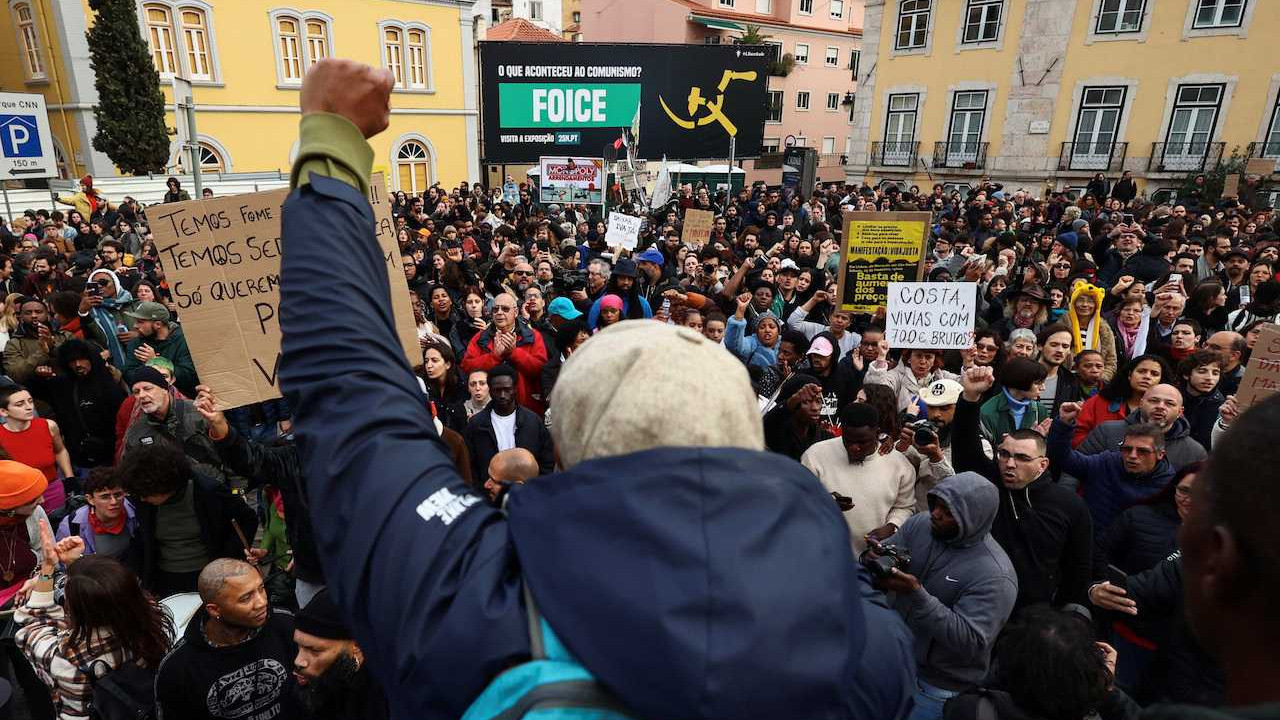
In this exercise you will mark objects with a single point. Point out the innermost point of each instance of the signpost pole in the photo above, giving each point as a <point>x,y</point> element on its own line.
<point>193,145</point>
<point>8,211</point>
<point>728,188</point>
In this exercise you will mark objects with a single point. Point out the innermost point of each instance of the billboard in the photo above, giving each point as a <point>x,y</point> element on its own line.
<point>683,101</point>
<point>571,180</point>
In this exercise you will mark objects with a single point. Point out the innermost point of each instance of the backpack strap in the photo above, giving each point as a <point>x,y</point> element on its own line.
<point>537,643</point>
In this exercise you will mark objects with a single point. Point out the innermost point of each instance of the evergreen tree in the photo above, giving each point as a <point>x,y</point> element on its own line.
<point>130,109</point>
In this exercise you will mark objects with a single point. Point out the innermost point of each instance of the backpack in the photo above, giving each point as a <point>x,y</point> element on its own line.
<point>125,693</point>
<point>551,686</point>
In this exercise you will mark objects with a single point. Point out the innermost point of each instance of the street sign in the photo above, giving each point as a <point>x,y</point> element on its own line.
<point>26,144</point>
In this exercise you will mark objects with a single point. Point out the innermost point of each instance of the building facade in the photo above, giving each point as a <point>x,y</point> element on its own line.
<point>811,87</point>
<point>245,60</point>
<point>1050,92</point>
<point>546,14</point>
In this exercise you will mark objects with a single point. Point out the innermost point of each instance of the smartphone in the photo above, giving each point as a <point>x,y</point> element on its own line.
<point>1117,577</point>
<point>95,291</point>
<point>1126,218</point>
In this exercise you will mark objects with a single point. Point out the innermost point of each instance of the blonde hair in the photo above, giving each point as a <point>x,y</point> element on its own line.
<point>10,315</point>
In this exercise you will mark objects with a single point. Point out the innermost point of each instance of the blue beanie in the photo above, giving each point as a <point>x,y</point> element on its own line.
<point>1070,239</point>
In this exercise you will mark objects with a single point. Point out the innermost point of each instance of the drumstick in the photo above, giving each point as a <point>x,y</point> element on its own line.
<point>243,540</point>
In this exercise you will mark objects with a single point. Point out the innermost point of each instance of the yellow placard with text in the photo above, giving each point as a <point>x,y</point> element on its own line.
<point>880,248</point>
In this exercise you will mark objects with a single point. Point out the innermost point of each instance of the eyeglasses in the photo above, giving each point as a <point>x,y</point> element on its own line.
<point>1182,491</point>
<point>109,496</point>
<point>987,348</point>
<point>1006,455</point>
<point>523,273</point>
<point>1132,450</point>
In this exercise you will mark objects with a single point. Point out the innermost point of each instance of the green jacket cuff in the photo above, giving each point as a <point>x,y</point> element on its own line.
<point>333,146</point>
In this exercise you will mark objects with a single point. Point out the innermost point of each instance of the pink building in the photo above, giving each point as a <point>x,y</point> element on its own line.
<point>812,88</point>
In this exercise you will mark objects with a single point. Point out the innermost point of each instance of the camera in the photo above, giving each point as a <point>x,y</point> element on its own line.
<point>570,281</point>
<point>885,560</point>
<point>926,432</point>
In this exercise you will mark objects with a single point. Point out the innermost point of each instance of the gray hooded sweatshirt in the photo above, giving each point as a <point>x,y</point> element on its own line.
<point>968,585</point>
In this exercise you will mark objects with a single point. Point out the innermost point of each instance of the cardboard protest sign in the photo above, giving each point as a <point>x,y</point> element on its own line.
<point>1231,186</point>
<point>624,231</point>
<point>1262,374</point>
<point>697,226</point>
<point>879,248</point>
<point>221,258</point>
<point>1260,166</point>
<point>931,316</point>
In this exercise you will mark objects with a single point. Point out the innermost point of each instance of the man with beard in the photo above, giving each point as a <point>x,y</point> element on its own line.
<point>43,280</point>
<point>29,353</point>
<point>1055,355</point>
<point>85,396</point>
<point>166,419</point>
<point>331,680</point>
<point>158,335</point>
<point>233,658</point>
<point>1028,308</point>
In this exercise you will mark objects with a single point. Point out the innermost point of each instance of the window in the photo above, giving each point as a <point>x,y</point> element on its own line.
<point>764,7</point>
<point>855,59</point>
<point>853,103</point>
<point>406,52</point>
<point>1219,13</point>
<point>25,23</point>
<point>913,24</point>
<point>413,167</point>
<point>196,38</point>
<point>1097,127</point>
<point>393,53</point>
<point>801,54</point>
<point>535,9</point>
<point>837,9</point>
<point>775,106</point>
<point>301,41</point>
<point>1271,144</point>
<point>833,101</point>
<point>828,145</point>
<point>806,7</point>
<point>1120,16</point>
<point>577,16</point>
<point>726,3</point>
<point>160,37</point>
<point>900,129</point>
<point>1195,115</point>
<point>769,145</point>
<point>968,115</point>
<point>833,57</point>
<point>802,100</point>
<point>211,160</point>
<point>982,21</point>
<point>802,141</point>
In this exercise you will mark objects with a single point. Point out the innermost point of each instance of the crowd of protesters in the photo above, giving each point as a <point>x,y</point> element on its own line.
<point>760,509</point>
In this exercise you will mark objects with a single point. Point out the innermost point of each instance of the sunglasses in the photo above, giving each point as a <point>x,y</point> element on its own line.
<point>523,273</point>
<point>104,282</point>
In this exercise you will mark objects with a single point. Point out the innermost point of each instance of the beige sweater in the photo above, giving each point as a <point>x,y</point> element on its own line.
<point>883,487</point>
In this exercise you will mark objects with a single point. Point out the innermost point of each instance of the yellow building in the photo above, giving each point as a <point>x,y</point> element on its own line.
<point>245,60</point>
<point>1036,91</point>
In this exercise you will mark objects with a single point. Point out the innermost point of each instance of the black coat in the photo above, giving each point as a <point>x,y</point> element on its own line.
<point>85,408</point>
<point>531,434</point>
<point>215,508</point>
<point>1201,411</point>
<point>1044,527</point>
<point>278,465</point>
<point>1182,671</point>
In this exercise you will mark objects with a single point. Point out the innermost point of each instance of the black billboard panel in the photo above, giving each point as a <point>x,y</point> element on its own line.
<point>575,98</point>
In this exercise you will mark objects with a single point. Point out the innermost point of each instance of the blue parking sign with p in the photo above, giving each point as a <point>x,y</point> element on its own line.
<point>19,136</point>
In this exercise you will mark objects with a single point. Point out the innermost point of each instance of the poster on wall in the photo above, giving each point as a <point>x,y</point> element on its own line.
<point>685,101</point>
<point>571,180</point>
<point>880,248</point>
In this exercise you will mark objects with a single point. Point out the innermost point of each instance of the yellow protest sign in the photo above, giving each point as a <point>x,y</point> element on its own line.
<point>879,248</point>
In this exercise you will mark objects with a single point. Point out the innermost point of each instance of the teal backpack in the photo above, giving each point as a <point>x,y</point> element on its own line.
<point>551,686</point>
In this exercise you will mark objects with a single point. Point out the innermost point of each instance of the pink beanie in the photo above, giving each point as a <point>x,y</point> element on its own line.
<point>611,301</point>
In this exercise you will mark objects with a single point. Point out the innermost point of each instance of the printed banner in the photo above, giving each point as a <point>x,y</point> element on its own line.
<point>567,180</point>
<point>880,248</point>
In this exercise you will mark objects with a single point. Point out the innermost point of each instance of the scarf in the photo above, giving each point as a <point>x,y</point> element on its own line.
<point>1088,340</point>
<point>1178,354</point>
<point>1130,337</point>
<point>1017,408</point>
<point>113,529</point>
<point>106,321</point>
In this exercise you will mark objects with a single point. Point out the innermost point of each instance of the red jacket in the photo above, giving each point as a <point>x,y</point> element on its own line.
<point>1095,411</point>
<point>528,357</point>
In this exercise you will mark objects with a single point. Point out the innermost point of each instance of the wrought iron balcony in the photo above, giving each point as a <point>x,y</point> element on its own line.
<point>895,153</point>
<point>1100,156</point>
<point>960,155</point>
<point>1185,156</point>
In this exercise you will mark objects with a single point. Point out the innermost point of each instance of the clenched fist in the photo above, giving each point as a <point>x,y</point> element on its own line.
<point>357,92</point>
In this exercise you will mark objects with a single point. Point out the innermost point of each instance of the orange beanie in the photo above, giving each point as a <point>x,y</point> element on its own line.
<point>19,484</point>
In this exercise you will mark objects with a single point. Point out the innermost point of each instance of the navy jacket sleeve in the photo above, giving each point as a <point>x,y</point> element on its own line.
<point>423,568</point>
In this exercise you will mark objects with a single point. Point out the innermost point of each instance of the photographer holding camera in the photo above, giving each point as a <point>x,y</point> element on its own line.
<point>926,441</point>
<point>953,585</point>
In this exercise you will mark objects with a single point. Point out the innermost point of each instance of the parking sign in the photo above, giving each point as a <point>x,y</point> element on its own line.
<point>26,145</point>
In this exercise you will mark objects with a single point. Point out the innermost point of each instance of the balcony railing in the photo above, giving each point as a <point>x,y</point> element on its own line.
<point>1102,156</point>
<point>1185,156</point>
<point>960,155</point>
<point>895,153</point>
<point>1266,151</point>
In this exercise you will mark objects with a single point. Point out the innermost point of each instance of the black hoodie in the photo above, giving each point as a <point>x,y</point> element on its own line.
<point>249,681</point>
<point>85,407</point>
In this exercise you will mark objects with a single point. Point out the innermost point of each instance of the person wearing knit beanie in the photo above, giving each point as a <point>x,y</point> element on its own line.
<point>332,679</point>
<point>631,386</point>
<point>19,485</point>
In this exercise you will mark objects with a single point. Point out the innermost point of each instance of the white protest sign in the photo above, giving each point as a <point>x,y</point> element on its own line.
<point>624,231</point>
<point>937,316</point>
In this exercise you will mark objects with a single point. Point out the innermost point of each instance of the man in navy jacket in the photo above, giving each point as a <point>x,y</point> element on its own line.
<point>694,574</point>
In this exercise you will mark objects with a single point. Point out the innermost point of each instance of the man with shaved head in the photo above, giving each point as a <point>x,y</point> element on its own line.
<point>510,466</point>
<point>509,339</point>
<point>1162,406</point>
<point>235,656</point>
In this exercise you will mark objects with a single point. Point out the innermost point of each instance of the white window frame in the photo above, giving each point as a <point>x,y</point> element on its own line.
<point>432,156</point>
<point>962,155</point>
<point>986,7</point>
<point>796,54</point>
<point>726,3</point>
<point>195,41</point>
<point>30,45</point>
<point>1219,112</point>
<point>1093,160</point>
<point>822,149</point>
<point>914,101</point>
<point>1122,9</point>
<point>855,62</point>
<point>1145,7</point>
<point>802,141</point>
<point>1269,148</point>
<point>764,7</point>
<point>535,10</point>
<point>836,8</point>
<point>404,84</point>
<point>162,41</point>
<point>802,101</point>
<point>177,36</point>
<point>781,105</point>
<point>919,17</point>
<point>833,102</point>
<point>1218,8</point>
<point>832,57</point>
<point>1190,28</point>
<point>800,8</point>
<point>770,145</point>
<point>301,19</point>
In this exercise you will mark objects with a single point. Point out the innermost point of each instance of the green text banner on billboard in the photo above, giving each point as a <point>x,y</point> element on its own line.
<point>572,99</point>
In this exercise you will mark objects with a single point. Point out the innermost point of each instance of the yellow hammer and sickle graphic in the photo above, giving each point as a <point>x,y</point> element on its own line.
<point>715,108</point>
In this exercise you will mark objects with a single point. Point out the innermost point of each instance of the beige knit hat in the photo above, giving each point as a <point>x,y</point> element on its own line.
<point>641,384</point>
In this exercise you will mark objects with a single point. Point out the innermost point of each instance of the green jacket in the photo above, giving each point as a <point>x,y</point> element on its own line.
<point>174,348</point>
<point>997,419</point>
